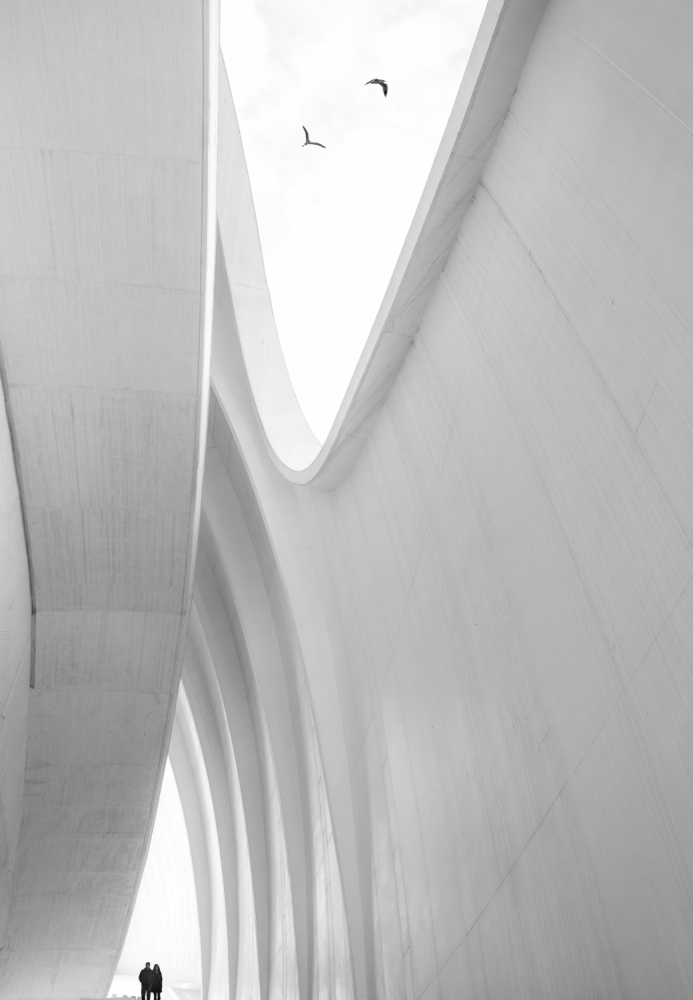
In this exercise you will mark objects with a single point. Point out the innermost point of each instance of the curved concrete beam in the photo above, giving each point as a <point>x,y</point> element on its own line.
<point>213,630</point>
<point>191,764</point>
<point>271,506</point>
<point>193,814</point>
<point>243,590</point>
<point>207,706</point>
<point>107,182</point>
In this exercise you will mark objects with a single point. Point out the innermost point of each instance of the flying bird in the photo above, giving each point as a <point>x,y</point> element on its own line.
<point>309,141</point>
<point>382,83</point>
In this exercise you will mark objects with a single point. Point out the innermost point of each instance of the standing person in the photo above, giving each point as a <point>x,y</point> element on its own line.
<point>147,981</point>
<point>158,983</point>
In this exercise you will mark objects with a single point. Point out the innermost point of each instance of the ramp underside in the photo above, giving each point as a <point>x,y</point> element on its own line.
<point>102,181</point>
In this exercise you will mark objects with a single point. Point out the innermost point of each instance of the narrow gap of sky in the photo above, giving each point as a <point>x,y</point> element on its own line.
<point>332,221</point>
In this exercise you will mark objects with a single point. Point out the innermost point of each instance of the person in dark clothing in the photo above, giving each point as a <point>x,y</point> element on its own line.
<point>147,981</point>
<point>158,983</point>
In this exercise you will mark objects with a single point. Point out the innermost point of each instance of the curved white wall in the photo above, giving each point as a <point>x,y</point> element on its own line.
<point>477,643</point>
<point>435,730</point>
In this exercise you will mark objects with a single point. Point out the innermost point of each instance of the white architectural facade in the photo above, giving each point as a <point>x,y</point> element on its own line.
<point>433,734</point>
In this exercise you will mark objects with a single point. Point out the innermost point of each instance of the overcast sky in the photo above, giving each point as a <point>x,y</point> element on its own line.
<point>332,221</point>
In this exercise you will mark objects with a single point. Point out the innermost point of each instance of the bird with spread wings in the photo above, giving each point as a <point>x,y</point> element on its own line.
<point>382,83</point>
<point>309,141</point>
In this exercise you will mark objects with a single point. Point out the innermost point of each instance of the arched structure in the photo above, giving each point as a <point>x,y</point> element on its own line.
<point>107,172</point>
<point>460,631</point>
<point>433,737</point>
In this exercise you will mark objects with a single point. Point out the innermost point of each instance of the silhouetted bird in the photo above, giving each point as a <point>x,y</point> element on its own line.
<point>381,82</point>
<point>309,141</point>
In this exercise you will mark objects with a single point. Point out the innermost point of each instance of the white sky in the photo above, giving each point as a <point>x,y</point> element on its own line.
<point>332,221</point>
<point>165,927</point>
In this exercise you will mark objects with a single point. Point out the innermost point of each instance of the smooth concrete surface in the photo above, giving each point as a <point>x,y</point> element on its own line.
<point>107,168</point>
<point>15,665</point>
<point>444,706</point>
<point>433,736</point>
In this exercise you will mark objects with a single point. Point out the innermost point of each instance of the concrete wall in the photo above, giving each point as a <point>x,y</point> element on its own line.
<point>106,194</point>
<point>434,735</point>
<point>15,665</point>
<point>458,680</point>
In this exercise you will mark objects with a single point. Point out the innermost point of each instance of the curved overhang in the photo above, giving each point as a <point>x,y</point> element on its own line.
<point>108,172</point>
<point>501,48</point>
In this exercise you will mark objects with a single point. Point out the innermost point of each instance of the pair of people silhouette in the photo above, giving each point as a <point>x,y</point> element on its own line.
<point>152,982</point>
